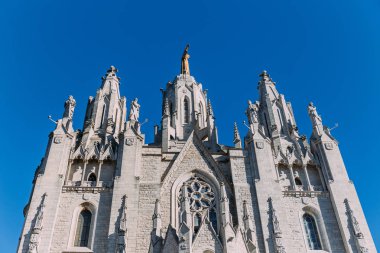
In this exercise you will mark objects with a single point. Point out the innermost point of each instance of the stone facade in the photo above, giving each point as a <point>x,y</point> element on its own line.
<point>103,189</point>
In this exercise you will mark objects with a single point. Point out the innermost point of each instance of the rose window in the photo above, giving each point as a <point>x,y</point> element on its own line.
<point>200,194</point>
<point>201,198</point>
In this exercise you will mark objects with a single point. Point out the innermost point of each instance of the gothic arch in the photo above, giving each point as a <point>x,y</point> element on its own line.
<point>208,178</point>
<point>313,211</point>
<point>186,109</point>
<point>74,223</point>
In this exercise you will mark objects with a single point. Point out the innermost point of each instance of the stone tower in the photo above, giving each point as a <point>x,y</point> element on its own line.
<point>102,189</point>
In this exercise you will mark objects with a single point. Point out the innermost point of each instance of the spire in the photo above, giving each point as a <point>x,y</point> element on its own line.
<point>277,234</point>
<point>265,76</point>
<point>121,244</point>
<point>185,68</point>
<point>157,217</point>
<point>111,72</point>
<point>237,140</point>
<point>166,107</point>
<point>247,217</point>
<point>210,112</point>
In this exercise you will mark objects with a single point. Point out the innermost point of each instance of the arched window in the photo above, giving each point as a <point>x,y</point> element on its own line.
<point>311,232</point>
<point>83,229</point>
<point>186,110</point>
<point>298,181</point>
<point>202,203</point>
<point>92,177</point>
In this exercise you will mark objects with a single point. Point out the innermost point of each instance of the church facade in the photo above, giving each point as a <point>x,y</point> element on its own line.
<point>103,189</point>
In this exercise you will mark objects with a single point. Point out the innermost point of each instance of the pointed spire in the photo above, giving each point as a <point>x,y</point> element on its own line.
<point>166,107</point>
<point>185,68</point>
<point>265,76</point>
<point>225,208</point>
<point>210,112</point>
<point>237,140</point>
<point>247,217</point>
<point>111,72</point>
<point>359,236</point>
<point>157,216</point>
<point>277,234</point>
<point>123,219</point>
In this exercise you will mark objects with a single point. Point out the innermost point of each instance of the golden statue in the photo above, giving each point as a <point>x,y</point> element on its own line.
<point>185,68</point>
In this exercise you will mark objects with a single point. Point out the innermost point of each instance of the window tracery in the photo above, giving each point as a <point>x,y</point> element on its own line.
<point>83,228</point>
<point>202,202</point>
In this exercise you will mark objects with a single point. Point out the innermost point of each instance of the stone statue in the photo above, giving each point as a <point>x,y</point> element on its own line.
<point>315,118</point>
<point>69,107</point>
<point>252,112</point>
<point>135,111</point>
<point>185,68</point>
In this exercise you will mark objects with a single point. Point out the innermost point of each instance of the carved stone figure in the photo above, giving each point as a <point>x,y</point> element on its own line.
<point>185,68</point>
<point>135,110</point>
<point>69,107</point>
<point>252,112</point>
<point>316,119</point>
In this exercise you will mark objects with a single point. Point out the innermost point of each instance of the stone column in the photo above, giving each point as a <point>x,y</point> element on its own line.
<point>307,178</point>
<point>292,177</point>
<point>83,172</point>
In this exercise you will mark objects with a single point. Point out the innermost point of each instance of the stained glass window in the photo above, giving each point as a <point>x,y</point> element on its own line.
<point>83,229</point>
<point>311,232</point>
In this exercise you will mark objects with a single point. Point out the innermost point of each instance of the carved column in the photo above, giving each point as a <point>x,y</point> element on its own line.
<point>83,172</point>
<point>99,171</point>
<point>68,171</point>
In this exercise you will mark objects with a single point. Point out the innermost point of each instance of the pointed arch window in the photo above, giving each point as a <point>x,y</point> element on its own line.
<point>83,228</point>
<point>202,203</point>
<point>186,110</point>
<point>92,177</point>
<point>311,231</point>
<point>298,181</point>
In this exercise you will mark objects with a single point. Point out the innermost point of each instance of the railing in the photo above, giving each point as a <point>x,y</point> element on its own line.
<point>87,186</point>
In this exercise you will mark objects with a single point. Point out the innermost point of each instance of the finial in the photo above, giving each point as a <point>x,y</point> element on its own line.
<point>265,76</point>
<point>111,72</point>
<point>237,140</point>
<point>185,68</point>
<point>209,108</point>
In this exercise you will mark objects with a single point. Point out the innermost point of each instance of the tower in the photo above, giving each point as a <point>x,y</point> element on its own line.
<point>103,189</point>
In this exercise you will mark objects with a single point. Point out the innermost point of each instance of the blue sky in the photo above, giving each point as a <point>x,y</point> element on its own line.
<point>321,51</point>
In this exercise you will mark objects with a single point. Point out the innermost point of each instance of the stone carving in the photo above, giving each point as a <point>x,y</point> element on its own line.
<point>252,112</point>
<point>69,108</point>
<point>57,139</point>
<point>260,145</point>
<point>134,113</point>
<point>277,233</point>
<point>37,228</point>
<point>122,233</point>
<point>359,236</point>
<point>129,141</point>
<point>329,146</point>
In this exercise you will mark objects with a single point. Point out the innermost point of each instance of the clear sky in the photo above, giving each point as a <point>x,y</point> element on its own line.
<point>317,50</point>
